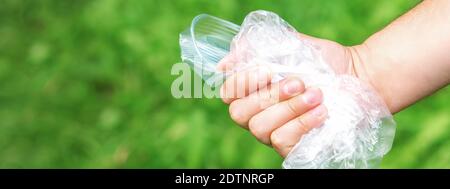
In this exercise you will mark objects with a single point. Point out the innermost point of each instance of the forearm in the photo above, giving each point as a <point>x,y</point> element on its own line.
<point>410,58</point>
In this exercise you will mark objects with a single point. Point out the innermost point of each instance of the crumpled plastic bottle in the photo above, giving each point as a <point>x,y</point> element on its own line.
<point>359,129</point>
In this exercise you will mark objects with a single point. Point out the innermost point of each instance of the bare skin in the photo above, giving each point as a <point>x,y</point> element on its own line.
<point>405,62</point>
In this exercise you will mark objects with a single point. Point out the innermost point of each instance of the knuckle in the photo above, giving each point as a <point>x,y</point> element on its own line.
<point>226,100</point>
<point>236,113</point>
<point>227,91</point>
<point>304,128</point>
<point>276,140</point>
<point>292,106</point>
<point>256,128</point>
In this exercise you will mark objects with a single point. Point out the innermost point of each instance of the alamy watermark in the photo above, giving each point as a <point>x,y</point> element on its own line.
<point>249,83</point>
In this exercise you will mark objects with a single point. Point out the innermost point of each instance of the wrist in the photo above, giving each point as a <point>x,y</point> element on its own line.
<point>363,66</point>
<point>359,61</point>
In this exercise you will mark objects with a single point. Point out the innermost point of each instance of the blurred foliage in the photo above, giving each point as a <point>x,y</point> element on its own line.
<point>86,83</point>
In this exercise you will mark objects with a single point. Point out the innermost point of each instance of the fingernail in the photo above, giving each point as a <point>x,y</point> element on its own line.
<point>319,111</point>
<point>292,86</point>
<point>312,96</point>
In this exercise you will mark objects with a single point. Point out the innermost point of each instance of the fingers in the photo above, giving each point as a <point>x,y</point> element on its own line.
<point>264,123</point>
<point>284,138</point>
<point>241,110</point>
<point>277,114</point>
<point>241,84</point>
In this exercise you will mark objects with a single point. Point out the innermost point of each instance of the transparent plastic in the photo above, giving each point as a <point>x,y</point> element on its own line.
<point>205,43</point>
<point>359,129</point>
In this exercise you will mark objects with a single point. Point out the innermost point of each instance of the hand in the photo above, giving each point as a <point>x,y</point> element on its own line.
<point>279,114</point>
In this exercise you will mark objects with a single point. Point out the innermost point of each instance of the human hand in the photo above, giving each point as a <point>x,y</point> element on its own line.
<point>279,114</point>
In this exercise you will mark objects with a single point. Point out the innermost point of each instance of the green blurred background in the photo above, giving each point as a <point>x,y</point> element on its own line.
<point>86,83</point>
